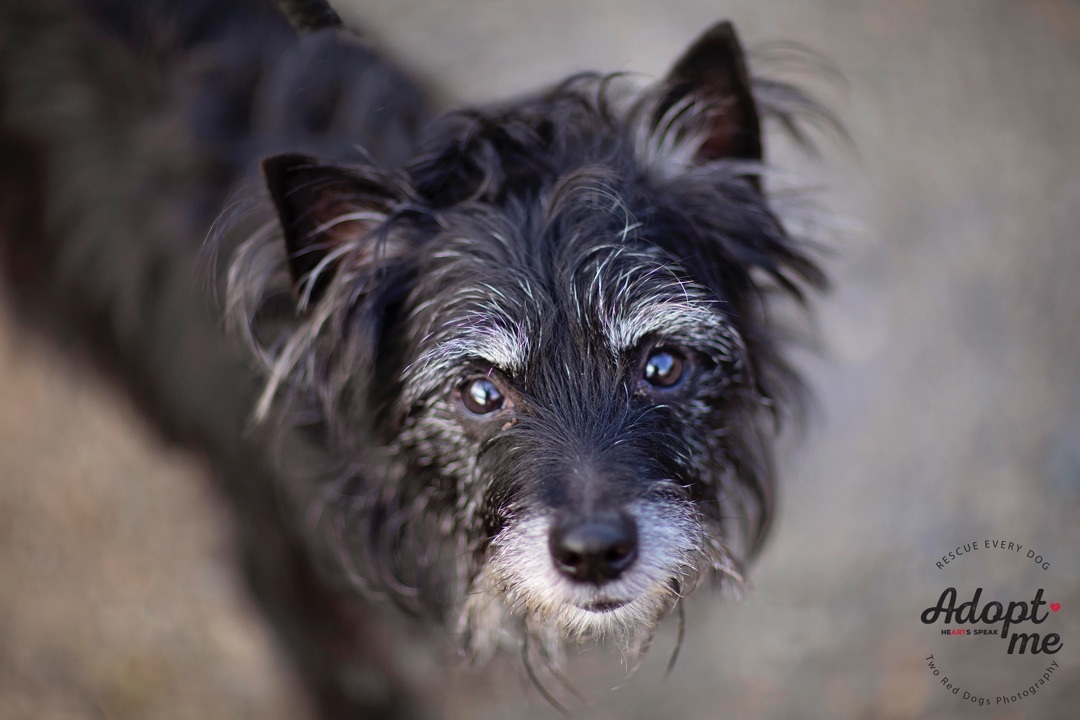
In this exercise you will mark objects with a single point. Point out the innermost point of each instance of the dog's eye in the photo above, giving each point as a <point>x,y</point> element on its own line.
<point>664,368</point>
<point>480,396</point>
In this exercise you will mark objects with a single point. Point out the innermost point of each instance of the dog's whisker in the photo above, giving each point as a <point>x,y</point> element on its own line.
<point>639,657</point>
<point>552,666</point>
<point>681,607</point>
<point>536,680</point>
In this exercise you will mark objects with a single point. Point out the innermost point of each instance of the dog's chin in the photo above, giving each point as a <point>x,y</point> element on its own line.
<point>604,616</point>
<point>580,613</point>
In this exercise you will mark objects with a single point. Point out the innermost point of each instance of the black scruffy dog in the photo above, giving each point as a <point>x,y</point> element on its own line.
<point>534,334</point>
<point>541,342</point>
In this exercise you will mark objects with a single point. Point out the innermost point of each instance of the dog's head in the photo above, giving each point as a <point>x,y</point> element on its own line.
<point>542,346</point>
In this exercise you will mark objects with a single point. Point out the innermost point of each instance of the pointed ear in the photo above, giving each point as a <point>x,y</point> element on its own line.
<point>714,70</point>
<point>321,208</point>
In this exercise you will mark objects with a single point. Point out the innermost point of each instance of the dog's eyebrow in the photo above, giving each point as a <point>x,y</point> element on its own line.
<point>634,293</point>
<point>479,337</point>
<point>696,322</point>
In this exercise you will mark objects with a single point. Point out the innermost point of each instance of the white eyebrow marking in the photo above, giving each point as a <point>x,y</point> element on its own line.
<point>476,337</point>
<point>674,308</point>
<point>492,342</point>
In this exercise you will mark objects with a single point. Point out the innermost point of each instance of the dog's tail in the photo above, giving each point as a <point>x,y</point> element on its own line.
<point>122,125</point>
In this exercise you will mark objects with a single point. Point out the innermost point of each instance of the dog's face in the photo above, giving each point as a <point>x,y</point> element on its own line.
<point>544,348</point>
<point>581,387</point>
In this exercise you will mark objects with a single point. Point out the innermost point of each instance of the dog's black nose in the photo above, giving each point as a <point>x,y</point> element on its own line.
<point>593,549</point>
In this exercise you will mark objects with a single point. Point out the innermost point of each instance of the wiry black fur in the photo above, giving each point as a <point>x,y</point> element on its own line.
<point>366,300</point>
<point>529,217</point>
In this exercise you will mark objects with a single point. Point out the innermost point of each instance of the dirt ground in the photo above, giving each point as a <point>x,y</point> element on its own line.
<point>948,401</point>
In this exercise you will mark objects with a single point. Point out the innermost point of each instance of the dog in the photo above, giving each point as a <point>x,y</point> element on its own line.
<point>533,338</point>
<point>541,342</point>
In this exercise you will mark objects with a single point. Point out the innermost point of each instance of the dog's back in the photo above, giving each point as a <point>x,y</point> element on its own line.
<point>124,127</point>
<point>536,335</point>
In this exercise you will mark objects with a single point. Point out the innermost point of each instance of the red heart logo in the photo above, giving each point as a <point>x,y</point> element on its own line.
<point>1055,606</point>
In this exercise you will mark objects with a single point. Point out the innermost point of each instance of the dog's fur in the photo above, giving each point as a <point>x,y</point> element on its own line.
<point>549,244</point>
<point>553,248</point>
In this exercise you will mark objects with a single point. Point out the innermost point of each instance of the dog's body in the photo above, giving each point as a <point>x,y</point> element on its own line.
<point>534,334</point>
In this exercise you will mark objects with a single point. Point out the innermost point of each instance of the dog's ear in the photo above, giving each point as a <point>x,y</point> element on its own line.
<point>714,71</point>
<point>324,211</point>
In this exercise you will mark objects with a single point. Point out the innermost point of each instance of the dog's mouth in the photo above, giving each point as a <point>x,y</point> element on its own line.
<point>604,606</point>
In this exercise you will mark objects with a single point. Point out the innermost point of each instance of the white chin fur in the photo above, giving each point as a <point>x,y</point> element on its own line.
<point>522,582</point>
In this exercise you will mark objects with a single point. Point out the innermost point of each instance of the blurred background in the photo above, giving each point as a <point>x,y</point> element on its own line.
<point>947,385</point>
